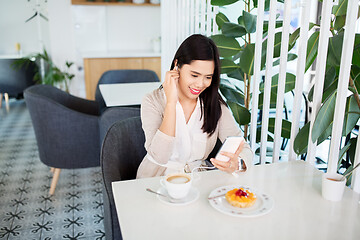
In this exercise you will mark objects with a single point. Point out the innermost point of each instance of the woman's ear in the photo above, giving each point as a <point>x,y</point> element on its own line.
<point>176,64</point>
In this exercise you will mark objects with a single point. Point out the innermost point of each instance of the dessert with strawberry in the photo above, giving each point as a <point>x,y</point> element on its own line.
<point>240,198</point>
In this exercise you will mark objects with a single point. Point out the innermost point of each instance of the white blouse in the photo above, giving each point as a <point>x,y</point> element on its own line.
<point>190,142</point>
<point>190,146</point>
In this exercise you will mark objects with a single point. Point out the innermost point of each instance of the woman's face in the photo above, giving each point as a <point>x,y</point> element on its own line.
<point>195,78</point>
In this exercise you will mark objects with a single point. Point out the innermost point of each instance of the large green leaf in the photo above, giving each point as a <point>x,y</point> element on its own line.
<point>241,114</point>
<point>273,98</point>
<point>330,90</point>
<point>352,149</point>
<point>324,117</point>
<point>231,94</point>
<point>227,46</point>
<point>222,2</point>
<point>221,19</point>
<point>355,75</point>
<point>312,49</point>
<point>356,53</point>
<point>296,34</point>
<point>330,79</point>
<point>237,74</point>
<point>249,22</point>
<point>267,4</point>
<point>344,150</point>
<point>352,114</point>
<point>278,23</point>
<point>241,20</point>
<point>237,56</point>
<point>233,30</point>
<point>228,66</point>
<point>335,49</point>
<point>247,59</point>
<point>289,83</point>
<point>340,9</point>
<point>285,127</point>
<point>301,140</point>
<point>339,22</point>
<point>325,134</point>
<point>255,3</point>
<point>277,48</point>
<point>258,135</point>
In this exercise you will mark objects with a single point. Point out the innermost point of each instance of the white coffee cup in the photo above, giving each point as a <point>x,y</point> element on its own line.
<point>333,186</point>
<point>177,185</point>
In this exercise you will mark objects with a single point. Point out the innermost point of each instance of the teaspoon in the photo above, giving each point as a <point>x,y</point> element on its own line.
<point>172,200</point>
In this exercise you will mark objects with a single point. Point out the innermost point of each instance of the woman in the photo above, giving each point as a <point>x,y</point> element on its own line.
<point>183,119</point>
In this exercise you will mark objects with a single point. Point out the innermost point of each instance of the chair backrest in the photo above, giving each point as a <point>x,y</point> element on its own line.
<point>123,76</point>
<point>121,154</point>
<point>115,114</point>
<point>66,127</point>
<point>13,79</point>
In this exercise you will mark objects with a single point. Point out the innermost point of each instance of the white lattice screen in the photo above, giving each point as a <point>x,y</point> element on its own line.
<point>181,18</point>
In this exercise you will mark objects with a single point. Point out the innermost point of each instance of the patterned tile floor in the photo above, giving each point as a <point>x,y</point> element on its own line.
<point>75,211</point>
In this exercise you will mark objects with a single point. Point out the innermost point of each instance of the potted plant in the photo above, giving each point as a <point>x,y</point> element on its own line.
<point>52,74</point>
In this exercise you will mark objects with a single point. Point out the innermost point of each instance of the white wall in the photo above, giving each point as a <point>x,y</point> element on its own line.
<point>75,30</point>
<point>13,28</point>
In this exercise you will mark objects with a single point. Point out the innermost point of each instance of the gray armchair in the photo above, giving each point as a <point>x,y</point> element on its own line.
<point>14,80</point>
<point>66,129</point>
<point>123,76</point>
<point>115,114</point>
<point>121,154</point>
<point>69,130</point>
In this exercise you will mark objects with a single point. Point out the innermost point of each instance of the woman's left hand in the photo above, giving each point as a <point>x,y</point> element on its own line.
<point>233,164</point>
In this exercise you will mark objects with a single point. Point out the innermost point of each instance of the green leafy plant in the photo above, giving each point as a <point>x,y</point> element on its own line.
<point>52,74</point>
<point>324,119</point>
<point>237,58</point>
<point>237,51</point>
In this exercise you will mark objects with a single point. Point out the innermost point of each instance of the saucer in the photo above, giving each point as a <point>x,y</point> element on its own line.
<point>263,205</point>
<point>191,197</point>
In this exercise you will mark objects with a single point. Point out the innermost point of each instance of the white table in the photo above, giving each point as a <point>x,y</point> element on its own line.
<point>126,94</point>
<point>299,210</point>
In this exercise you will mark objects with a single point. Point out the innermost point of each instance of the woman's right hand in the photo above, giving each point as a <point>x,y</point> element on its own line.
<point>170,85</point>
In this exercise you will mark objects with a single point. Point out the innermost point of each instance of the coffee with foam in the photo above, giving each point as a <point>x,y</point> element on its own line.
<point>178,179</point>
<point>177,185</point>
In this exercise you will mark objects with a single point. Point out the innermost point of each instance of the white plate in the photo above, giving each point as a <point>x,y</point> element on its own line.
<point>191,197</point>
<point>264,203</point>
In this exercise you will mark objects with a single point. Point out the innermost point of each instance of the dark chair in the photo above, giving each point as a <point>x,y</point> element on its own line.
<point>66,129</point>
<point>115,114</point>
<point>121,154</point>
<point>123,76</point>
<point>15,79</point>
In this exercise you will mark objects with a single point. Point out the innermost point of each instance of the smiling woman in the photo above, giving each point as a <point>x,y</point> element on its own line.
<point>183,120</point>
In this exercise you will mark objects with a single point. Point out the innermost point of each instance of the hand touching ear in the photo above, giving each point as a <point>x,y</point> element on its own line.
<point>170,85</point>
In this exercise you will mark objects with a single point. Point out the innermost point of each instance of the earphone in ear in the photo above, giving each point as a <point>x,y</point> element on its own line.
<point>176,68</point>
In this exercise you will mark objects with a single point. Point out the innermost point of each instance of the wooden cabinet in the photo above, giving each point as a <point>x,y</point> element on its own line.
<point>95,67</point>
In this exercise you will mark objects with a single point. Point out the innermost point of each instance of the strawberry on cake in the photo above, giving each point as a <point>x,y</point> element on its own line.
<point>240,198</point>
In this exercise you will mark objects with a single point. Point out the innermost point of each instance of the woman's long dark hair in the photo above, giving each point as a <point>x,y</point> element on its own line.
<point>199,47</point>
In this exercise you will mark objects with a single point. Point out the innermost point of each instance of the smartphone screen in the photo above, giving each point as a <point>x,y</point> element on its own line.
<point>230,144</point>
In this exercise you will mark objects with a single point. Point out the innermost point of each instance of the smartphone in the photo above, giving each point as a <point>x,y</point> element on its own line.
<point>230,144</point>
